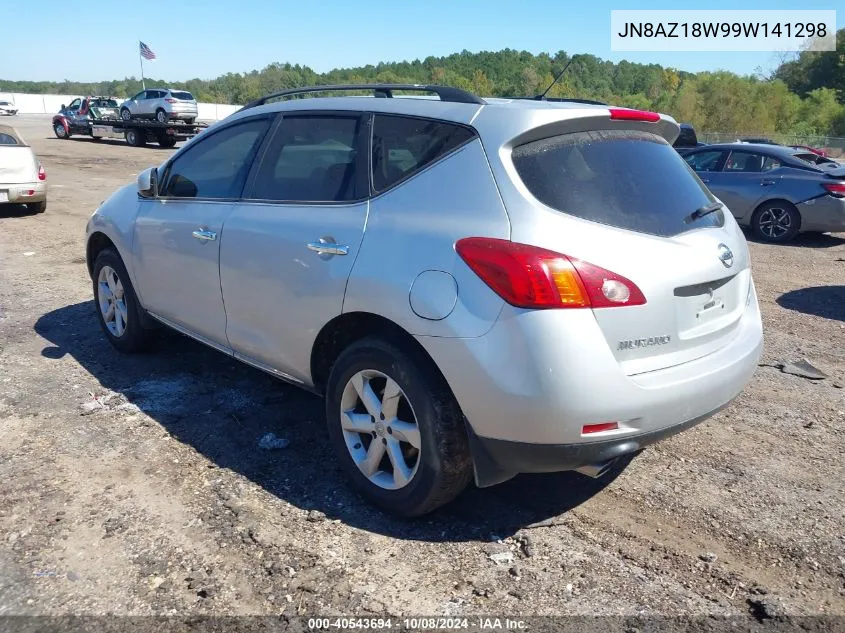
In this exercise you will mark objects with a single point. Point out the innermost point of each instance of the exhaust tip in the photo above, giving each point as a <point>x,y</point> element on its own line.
<point>596,470</point>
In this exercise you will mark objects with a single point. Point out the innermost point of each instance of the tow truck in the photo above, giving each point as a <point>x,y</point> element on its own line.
<point>99,118</point>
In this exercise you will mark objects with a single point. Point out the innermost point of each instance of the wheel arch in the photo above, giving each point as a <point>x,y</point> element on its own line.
<point>347,328</point>
<point>98,242</point>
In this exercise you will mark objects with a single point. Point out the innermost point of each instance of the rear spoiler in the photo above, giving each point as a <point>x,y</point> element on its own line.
<point>837,172</point>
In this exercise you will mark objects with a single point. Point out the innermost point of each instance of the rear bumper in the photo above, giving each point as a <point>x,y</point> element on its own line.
<point>823,214</point>
<point>536,378</point>
<point>20,193</point>
<point>499,460</point>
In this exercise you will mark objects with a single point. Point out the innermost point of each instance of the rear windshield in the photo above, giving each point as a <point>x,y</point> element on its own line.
<point>185,96</point>
<point>627,179</point>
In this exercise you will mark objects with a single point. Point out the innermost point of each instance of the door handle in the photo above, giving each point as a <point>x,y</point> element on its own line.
<point>328,248</point>
<point>767,183</point>
<point>204,235</point>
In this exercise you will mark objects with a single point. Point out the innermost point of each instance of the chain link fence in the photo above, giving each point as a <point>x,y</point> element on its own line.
<point>833,146</point>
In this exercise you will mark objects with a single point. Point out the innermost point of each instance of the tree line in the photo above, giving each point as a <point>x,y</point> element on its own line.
<point>805,96</point>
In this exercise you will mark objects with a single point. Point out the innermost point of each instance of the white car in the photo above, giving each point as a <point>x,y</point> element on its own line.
<point>8,108</point>
<point>22,177</point>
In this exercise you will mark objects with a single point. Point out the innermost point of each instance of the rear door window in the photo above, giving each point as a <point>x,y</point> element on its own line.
<point>402,146</point>
<point>627,179</point>
<point>747,162</point>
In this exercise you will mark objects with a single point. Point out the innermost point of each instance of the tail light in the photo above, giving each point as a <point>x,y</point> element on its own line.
<point>531,277</point>
<point>626,114</point>
<point>42,175</point>
<point>169,100</point>
<point>836,189</point>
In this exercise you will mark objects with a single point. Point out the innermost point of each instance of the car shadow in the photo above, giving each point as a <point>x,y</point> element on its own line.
<point>824,301</point>
<point>806,240</point>
<point>222,408</point>
<point>16,211</point>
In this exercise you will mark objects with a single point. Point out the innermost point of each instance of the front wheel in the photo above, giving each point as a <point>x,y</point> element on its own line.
<point>396,428</point>
<point>776,221</point>
<point>118,310</point>
<point>60,131</point>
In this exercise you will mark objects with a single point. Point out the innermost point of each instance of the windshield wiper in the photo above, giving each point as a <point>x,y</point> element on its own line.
<point>700,212</point>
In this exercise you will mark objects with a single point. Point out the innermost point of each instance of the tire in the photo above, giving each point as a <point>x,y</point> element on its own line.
<point>776,221</point>
<point>131,337</point>
<point>125,114</point>
<point>161,116</point>
<point>166,142</point>
<point>189,121</point>
<point>135,138</point>
<point>38,207</point>
<point>60,131</point>
<point>433,473</point>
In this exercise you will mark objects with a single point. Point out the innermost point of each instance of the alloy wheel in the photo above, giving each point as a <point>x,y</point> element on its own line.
<point>111,300</point>
<point>775,222</point>
<point>380,429</point>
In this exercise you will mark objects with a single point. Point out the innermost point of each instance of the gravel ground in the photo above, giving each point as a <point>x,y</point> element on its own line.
<point>135,485</point>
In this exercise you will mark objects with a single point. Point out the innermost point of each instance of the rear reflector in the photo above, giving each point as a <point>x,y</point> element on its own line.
<point>625,114</point>
<point>836,188</point>
<point>598,428</point>
<point>531,277</point>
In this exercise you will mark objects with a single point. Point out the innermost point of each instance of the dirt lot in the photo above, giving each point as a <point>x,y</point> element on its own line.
<point>156,499</point>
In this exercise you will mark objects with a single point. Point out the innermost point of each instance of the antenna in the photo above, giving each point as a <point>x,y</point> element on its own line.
<point>542,96</point>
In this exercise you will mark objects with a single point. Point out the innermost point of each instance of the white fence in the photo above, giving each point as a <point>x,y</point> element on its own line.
<point>50,104</point>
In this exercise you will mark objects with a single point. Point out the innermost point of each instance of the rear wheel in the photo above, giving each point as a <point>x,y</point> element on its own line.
<point>776,221</point>
<point>135,138</point>
<point>118,310</point>
<point>396,428</point>
<point>60,130</point>
<point>37,207</point>
<point>166,141</point>
<point>161,116</point>
<point>125,114</point>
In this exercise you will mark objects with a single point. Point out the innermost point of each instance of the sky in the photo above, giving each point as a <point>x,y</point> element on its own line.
<point>207,38</point>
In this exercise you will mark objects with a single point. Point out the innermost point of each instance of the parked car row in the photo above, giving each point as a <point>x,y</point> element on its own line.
<point>8,108</point>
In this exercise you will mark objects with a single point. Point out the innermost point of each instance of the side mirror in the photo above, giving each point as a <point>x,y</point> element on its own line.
<point>63,107</point>
<point>148,183</point>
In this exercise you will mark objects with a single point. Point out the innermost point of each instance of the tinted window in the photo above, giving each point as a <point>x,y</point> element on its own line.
<point>217,165</point>
<point>311,158</point>
<point>403,146</point>
<point>705,161</point>
<point>631,180</point>
<point>687,138</point>
<point>749,162</point>
<point>7,139</point>
<point>186,96</point>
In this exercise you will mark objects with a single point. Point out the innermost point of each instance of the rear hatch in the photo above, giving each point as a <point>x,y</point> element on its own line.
<point>17,160</point>
<point>623,199</point>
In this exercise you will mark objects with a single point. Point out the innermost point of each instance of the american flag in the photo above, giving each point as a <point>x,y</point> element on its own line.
<point>146,51</point>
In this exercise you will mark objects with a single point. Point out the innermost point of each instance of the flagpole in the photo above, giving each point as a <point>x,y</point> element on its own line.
<point>141,58</point>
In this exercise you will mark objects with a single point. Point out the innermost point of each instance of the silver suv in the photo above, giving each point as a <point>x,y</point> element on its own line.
<point>161,104</point>
<point>478,288</point>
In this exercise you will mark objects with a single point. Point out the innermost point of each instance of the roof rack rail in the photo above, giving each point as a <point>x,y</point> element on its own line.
<point>446,93</point>
<point>563,100</point>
